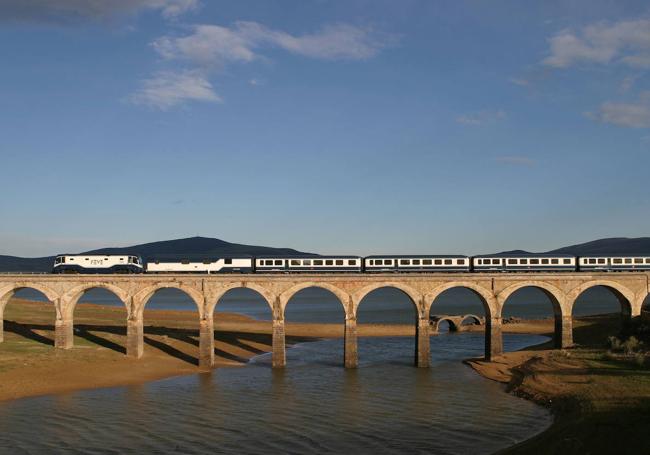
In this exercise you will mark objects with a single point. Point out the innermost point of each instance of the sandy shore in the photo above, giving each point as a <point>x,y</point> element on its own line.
<point>30,365</point>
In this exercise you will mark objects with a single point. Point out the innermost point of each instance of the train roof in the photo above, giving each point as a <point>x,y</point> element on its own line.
<point>524,255</point>
<point>306,256</point>
<point>615,255</point>
<point>96,254</point>
<point>409,256</point>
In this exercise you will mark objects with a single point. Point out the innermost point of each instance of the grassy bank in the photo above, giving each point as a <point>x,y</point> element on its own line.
<point>600,399</point>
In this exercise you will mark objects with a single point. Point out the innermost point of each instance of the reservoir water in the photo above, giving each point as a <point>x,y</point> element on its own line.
<point>312,406</point>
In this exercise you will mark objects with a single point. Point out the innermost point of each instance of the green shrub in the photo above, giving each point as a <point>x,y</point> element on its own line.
<point>631,345</point>
<point>639,359</point>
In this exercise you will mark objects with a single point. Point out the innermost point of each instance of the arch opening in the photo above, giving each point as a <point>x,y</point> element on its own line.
<point>385,316</point>
<point>533,309</point>
<point>28,317</point>
<point>242,318</point>
<point>458,301</point>
<point>599,311</point>
<point>100,318</point>
<point>171,318</point>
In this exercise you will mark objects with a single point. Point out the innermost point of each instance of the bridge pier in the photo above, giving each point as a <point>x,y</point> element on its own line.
<point>2,326</point>
<point>206,343</point>
<point>350,354</point>
<point>563,337</point>
<point>422,344</point>
<point>493,338</point>
<point>135,337</point>
<point>64,334</point>
<point>279,349</point>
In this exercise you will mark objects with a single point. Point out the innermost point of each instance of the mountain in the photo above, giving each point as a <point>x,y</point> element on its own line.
<point>615,245</point>
<point>194,248</point>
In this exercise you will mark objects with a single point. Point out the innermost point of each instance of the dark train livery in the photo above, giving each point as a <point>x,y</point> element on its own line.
<point>427,263</point>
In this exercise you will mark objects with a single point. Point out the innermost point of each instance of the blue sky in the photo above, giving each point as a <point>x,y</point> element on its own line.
<point>350,126</point>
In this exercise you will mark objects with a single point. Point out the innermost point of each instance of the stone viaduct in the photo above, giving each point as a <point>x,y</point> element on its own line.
<point>562,289</point>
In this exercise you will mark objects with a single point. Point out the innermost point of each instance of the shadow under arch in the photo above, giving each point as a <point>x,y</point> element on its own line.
<point>85,317</point>
<point>623,296</point>
<point>180,341</point>
<point>493,339</point>
<point>240,344</point>
<point>34,329</point>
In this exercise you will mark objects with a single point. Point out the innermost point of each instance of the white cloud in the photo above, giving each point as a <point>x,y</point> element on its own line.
<point>63,11</point>
<point>481,117</point>
<point>631,115</point>
<point>167,89</point>
<point>215,45</point>
<point>519,81</point>
<point>517,160</point>
<point>627,42</point>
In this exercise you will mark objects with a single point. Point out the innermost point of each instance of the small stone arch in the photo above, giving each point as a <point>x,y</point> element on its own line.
<point>70,299</point>
<point>342,296</point>
<point>453,327</point>
<point>477,320</point>
<point>487,298</point>
<point>141,298</point>
<point>554,294</point>
<point>414,295</point>
<point>219,293</point>
<point>624,295</point>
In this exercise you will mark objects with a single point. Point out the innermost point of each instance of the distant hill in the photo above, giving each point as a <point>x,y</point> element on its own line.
<point>615,245</point>
<point>193,248</point>
<point>199,248</point>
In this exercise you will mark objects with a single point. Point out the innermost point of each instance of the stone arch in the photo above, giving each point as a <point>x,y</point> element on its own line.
<point>487,298</point>
<point>624,295</point>
<point>453,327</point>
<point>71,298</point>
<point>477,320</point>
<point>342,296</point>
<point>414,295</point>
<point>554,294</point>
<point>141,298</point>
<point>7,292</point>
<point>219,293</point>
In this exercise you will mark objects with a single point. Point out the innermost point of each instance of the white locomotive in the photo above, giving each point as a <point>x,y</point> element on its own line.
<point>96,263</point>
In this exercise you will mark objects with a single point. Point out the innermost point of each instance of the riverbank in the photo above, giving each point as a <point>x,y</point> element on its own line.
<point>600,400</point>
<point>30,365</point>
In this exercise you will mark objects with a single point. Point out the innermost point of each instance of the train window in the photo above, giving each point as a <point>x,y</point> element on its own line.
<point>339,262</point>
<point>638,260</point>
<point>545,261</point>
<point>329,262</point>
<point>555,261</point>
<point>448,261</point>
<point>416,262</point>
<point>427,262</point>
<point>534,261</point>
<point>628,260</point>
<point>295,262</point>
<point>496,261</point>
<point>388,262</point>
<point>352,262</point>
<point>523,261</point>
<point>306,262</point>
<point>601,261</point>
<point>227,261</point>
<point>617,261</point>
<point>438,262</point>
<point>404,262</point>
<point>460,262</point>
<point>278,262</point>
<point>647,260</point>
<point>567,261</point>
<point>318,262</point>
<point>591,261</point>
<point>512,261</point>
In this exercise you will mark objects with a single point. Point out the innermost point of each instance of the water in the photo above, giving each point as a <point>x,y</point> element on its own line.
<point>313,406</point>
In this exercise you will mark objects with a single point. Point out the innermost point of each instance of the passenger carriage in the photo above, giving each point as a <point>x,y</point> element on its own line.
<point>524,263</point>
<point>417,263</point>
<point>213,265</point>
<point>305,264</point>
<point>614,263</point>
<point>95,263</point>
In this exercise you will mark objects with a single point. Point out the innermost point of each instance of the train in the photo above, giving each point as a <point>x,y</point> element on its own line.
<point>133,263</point>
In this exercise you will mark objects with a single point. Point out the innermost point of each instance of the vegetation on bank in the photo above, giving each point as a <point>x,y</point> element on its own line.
<point>599,391</point>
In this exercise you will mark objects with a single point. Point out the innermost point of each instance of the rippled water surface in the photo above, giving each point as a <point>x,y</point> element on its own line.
<point>313,406</point>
